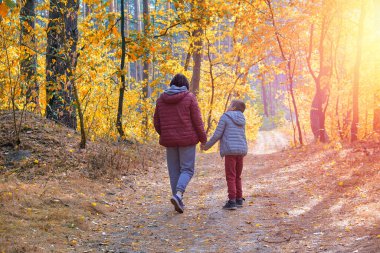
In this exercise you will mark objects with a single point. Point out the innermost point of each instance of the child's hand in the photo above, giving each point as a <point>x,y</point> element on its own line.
<point>203,146</point>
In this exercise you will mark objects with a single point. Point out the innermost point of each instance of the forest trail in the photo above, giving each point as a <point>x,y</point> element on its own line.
<point>291,205</point>
<point>269,142</point>
<point>318,198</point>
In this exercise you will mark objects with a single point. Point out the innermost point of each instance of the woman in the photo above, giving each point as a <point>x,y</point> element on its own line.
<point>178,121</point>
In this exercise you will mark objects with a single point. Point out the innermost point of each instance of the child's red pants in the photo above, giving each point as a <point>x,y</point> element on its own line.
<point>234,167</point>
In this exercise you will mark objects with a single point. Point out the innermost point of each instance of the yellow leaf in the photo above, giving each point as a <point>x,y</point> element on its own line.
<point>179,250</point>
<point>340,183</point>
<point>378,236</point>
<point>258,225</point>
<point>73,242</point>
<point>36,161</point>
<point>114,30</point>
<point>93,203</point>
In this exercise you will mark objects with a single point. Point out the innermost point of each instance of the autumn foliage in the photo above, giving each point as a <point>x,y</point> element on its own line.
<point>296,62</point>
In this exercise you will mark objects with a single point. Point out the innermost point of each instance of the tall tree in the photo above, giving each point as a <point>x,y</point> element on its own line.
<point>355,86</point>
<point>290,68</point>
<point>322,81</point>
<point>376,117</point>
<point>146,60</point>
<point>264,94</point>
<point>62,38</point>
<point>119,124</point>
<point>138,27</point>
<point>197,35</point>
<point>28,60</point>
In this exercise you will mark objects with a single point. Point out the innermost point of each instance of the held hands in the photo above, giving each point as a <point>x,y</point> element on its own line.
<point>203,146</point>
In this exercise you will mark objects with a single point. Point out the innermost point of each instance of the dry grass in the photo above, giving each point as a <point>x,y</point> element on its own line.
<point>51,191</point>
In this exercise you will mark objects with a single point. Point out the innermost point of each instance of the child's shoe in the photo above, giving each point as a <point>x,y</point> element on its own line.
<point>230,205</point>
<point>178,204</point>
<point>239,202</point>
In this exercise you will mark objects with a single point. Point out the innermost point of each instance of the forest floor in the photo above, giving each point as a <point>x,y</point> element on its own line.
<point>318,198</point>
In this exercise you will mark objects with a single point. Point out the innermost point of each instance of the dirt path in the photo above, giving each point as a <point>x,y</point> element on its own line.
<point>285,210</point>
<point>269,142</point>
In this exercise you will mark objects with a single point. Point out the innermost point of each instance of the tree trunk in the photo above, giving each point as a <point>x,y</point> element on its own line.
<point>137,14</point>
<point>289,72</point>
<point>291,117</point>
<point>197,46</point>
<point>82,143</point>
<point>209,117</point>
<point>376,113</point>
<point>28,57</point>
<point>188,56</point>
<point>264,95</point>
<point>146,69</point>
<point>112,6</point>
<point>146,56</point>
<point>62,36</point>
<point>300,139</point>
<point>317,115</point>
<point>322,85</point>
<point>197,59</point>
<point>337,115</point>
<point>355,88</point>
<point>272,96</point>
<point>119,124</point>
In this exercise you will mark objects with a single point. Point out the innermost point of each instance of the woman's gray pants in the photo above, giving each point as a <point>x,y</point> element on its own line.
<point>181,161</point>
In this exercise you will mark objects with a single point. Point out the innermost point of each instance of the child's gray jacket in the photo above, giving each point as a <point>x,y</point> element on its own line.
<point>231,133</point>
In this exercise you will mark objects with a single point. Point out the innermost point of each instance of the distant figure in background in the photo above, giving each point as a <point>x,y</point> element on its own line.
<point>178,121</point>
<point>233,146</point>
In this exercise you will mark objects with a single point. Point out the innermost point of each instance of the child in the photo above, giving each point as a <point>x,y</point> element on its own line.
<point>233,146</point>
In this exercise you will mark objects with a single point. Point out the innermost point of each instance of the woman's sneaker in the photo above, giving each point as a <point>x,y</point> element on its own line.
<point>178,204</point>
<point>239,202</point>
<point>230,205</point>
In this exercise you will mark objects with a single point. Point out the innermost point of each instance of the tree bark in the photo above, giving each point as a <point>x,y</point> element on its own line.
<point>188,56</point>
<point>28,57</point>
<point>145,91</point>
<point>355,88</point>
<point>82,143</point>
<point>137,14</point>
<point>209,117</point>
<point>119,117</point>
<point>197,34</point>
<point>62,36</point>
<point>376,113</point>
<point>197,59</point>
<point>264,95</point>
<point>322,85</point>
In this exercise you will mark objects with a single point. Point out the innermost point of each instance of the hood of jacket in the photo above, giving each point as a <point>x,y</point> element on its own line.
<point>237,117</point>
<point>174,94</point>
